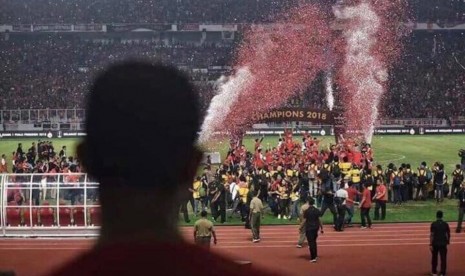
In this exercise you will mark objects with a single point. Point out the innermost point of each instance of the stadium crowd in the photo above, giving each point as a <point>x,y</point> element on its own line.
<point>189,11</point>
<point>55,72</point>
<point>34,75</point>
<point>434,62</point>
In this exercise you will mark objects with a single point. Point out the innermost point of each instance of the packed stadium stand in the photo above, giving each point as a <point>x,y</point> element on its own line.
<point>189,11</point>
<point>53,70</point>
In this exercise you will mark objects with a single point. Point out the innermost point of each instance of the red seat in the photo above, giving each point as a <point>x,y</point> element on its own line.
<point>27,217</point>
<point>46,215</point>
<point>95,216</point>
<point>78,216</point>
<point>13,216</point>
<point>64,216</point>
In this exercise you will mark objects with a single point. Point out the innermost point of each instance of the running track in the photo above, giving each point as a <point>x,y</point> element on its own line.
<point>388,249</point>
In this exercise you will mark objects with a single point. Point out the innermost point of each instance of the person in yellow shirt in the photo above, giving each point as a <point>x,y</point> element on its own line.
<point>355,177</point>
<point>345,167</point>
<point>243,191</point>
<point>283,195</point>
<point>196,194</point>
<point>295,189</point>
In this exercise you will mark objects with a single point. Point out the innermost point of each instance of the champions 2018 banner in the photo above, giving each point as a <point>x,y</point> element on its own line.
<point>324,117</point>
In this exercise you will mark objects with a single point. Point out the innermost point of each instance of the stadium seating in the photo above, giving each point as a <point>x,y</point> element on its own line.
<point>13,215</point>
<point>425,67</point>
<point>78,216</point>
<point>64,215</point>
<point>95,216</point>
<point>193,11</point>
<point>46,215</point>
<point>30,217</point>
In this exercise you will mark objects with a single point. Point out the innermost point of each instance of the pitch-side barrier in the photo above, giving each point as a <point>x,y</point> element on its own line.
<point>40,205</point>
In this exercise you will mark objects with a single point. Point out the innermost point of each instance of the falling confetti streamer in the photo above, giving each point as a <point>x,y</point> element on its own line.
<point>282,59</point>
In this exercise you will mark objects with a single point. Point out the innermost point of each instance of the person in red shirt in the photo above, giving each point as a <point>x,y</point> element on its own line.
<point>259,159</point>
<point>380,198</point>
<point>140,201</point>
<point>365,206</point>
<point>350,202</point>
<point>3,164</point>
<point>357,158</point>
<point>258,143</point>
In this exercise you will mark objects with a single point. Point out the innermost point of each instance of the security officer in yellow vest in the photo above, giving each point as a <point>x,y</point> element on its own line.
<point>457,178</point>
<point>422,182</point>
<point>345,167</point>
<point>355,177</point>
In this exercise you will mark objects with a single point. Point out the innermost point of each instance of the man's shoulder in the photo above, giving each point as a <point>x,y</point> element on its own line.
<point>137,259</point>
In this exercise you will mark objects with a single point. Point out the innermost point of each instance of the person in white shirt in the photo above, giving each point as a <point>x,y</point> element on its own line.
<point>234,189</point>
<point>340,200</point>
<point>280,143</point>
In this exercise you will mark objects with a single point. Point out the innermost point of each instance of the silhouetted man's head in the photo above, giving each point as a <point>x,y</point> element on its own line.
<point>439,214</point>
<point>138,112</point>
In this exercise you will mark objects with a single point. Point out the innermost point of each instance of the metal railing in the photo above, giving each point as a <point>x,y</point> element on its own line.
<point>31,116</point>
<point>49,205</point>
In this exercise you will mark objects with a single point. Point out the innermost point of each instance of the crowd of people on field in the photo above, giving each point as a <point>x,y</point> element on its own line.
<point>285,175</point>
<point>191,11</point>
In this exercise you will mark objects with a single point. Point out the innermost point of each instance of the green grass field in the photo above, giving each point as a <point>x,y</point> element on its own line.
<point>395,149</point>
<point>415,211</point>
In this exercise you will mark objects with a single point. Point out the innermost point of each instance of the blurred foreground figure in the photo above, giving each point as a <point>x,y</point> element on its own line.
<point>137,110</point>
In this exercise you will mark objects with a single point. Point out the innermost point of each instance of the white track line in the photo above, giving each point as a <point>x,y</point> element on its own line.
<point>240,246</point>
<point>321,240</point>
<point>281,229</point>
<point>330,245</point>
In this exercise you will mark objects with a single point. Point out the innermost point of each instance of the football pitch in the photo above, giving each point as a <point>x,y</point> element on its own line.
<point>395,149</point>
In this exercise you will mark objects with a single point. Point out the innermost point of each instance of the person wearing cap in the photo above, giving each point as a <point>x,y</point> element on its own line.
<point>140,233</point>
<point>203,231</point>
<point>461,205</point>
<point>439,239</point>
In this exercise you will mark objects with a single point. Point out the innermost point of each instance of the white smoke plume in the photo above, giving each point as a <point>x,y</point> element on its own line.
<point>228,92</point>
<point>329,90</point>
<point>363,71</point>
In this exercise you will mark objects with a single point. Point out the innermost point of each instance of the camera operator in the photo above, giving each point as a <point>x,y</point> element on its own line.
<point>462,158</point>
